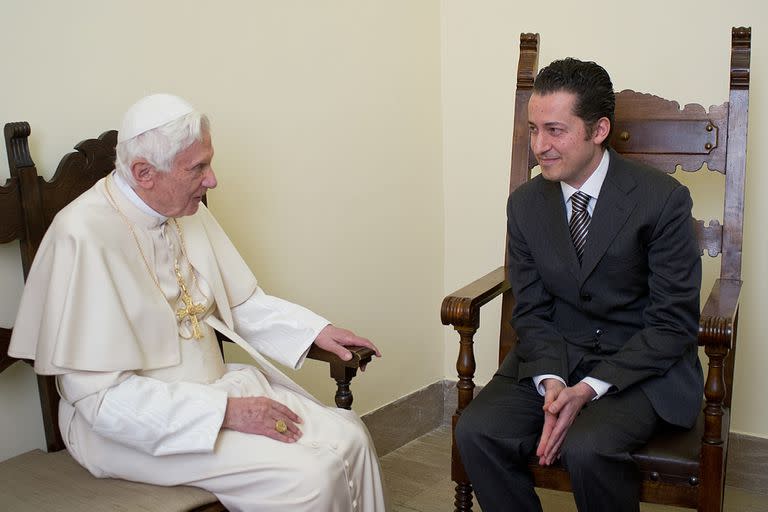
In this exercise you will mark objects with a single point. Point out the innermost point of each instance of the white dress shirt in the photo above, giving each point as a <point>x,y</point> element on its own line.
<point>592,188</point>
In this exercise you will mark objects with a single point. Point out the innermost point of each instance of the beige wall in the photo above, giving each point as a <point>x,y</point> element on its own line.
<point>326,119</point>
<point>654,46</point>
<point>362,146</point>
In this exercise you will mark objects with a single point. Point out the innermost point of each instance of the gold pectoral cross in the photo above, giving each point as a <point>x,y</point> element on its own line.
<point>190,309</point>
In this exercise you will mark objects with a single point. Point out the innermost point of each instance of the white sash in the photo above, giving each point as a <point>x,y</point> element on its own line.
<point>271,371</point>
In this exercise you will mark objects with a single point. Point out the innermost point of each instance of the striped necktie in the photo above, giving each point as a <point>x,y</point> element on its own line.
<point>579,221</point>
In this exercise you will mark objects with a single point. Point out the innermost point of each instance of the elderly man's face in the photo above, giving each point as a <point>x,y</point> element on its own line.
<point>178,192</point>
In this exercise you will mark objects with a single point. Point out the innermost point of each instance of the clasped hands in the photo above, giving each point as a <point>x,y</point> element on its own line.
<point>259,415</point>
<point>561,406</point>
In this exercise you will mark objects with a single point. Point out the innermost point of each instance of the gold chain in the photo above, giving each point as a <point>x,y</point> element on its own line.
<point>190,309</point>
<point>184,253</point>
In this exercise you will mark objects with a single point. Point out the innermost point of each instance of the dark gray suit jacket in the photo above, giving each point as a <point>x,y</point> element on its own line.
<point>629,314</point>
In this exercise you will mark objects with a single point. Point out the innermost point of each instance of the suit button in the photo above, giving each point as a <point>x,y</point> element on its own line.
<point>586,297</point>
<point>598,333</point>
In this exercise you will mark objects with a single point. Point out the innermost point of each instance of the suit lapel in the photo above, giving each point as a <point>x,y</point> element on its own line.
<point>555,226</point>
<point>613,207</point>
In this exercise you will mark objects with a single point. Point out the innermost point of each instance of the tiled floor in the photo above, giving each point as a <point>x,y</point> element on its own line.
<point>417,479</point>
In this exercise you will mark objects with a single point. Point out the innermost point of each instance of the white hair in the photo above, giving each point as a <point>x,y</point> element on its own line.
<point>159,146</point>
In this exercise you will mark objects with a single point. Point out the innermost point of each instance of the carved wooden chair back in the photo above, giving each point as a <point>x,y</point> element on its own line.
<point>29,204</point>
<point>679,468</point>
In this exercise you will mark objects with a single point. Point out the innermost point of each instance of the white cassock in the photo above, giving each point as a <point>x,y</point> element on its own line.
<point>141,401</point>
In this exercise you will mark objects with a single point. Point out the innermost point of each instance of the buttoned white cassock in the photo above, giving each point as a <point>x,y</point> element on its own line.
<point>91,314</point>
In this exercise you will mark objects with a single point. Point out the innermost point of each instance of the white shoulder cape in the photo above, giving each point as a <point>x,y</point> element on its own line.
<point>89,303</point>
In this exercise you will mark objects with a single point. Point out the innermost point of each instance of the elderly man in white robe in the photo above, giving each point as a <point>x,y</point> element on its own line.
<point>121,304</point>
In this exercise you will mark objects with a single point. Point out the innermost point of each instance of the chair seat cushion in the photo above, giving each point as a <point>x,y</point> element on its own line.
<point>39,481</point>
<point>671,456</point>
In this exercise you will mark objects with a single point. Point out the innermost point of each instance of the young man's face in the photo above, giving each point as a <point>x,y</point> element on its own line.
<point>561,141</point>
<point>178,192</point>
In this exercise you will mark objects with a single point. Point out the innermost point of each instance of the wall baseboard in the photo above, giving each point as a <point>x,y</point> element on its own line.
<point>400,422</point>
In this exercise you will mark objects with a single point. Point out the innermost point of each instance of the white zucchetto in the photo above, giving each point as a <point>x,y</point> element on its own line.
<point>150,112</point>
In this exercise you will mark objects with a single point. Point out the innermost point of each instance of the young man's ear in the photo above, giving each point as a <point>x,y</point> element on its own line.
<point>143,173</point>
<point>601,130</point>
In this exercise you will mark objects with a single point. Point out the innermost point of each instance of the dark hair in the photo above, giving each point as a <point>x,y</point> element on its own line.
<point>588,81</point>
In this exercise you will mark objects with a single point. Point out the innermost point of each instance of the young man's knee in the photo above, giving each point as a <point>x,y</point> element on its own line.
<point>576,455</point>
<point>586,450</point>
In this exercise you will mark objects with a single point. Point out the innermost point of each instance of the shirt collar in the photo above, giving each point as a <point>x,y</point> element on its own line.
<point>593,184</point>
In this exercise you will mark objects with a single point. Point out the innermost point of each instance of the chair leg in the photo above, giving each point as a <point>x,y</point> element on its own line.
<point>465,366</point>
<point>463,501</point>
<point>343,376</point>
<point>713,456</point>
<point>712,481</point>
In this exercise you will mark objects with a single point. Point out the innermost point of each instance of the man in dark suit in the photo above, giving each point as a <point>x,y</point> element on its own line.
<point>605,268</point>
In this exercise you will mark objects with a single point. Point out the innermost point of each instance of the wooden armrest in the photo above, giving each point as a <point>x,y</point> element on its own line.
<point>461,308</point>
<point>717,333</point>
<point>360,356</point>
<point>341,371</point>
<point>718,318</point>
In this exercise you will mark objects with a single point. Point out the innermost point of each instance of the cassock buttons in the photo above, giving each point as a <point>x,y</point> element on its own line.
<point>586,297</point>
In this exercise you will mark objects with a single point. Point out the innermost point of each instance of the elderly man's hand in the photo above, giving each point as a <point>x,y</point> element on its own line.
<point>333,339</point>
<point>261,415</point>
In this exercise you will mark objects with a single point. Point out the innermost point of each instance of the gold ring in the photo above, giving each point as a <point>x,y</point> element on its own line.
<point>281,427</point>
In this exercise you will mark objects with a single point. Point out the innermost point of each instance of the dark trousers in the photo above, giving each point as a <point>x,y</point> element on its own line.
<point>500,429</point>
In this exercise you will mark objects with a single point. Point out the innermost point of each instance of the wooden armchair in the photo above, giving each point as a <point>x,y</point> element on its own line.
<point>687,468</point>
<point>54,481</point>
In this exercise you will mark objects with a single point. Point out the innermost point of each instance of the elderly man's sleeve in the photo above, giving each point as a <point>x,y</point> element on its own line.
<point>277,328</point>
<point>152,416</point>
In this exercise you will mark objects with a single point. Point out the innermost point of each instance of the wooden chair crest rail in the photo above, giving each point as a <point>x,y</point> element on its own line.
<point>54,481</point>
<point>685,469</point>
